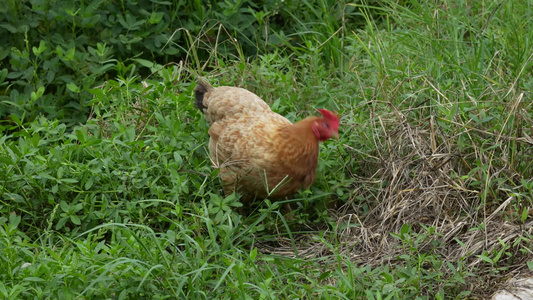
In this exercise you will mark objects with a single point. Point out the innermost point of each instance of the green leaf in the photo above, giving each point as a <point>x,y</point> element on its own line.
<point>60,172</point>
<point>324,275</point>
<point>40,92</point>
<point>16,120</point>
<point>15,197</point>
<point>155,18</point>
<point>38,51</point>
<point>101,48</point>
<point>253,254</point>
<point>177,158</point>
<point>81,135</point>
<point>151,65</point>
<point>69,55</point>
<point>75,220</point>
<point>61,223</point>
<point>34,279</point>
<point>404,231</point>
<point>14,220</point>
<point>6,160</point>
<point>496,258</point>
<point>78,207</point>
<point>89,183</point>
<point>35,139</point>
<point>64,206</point>
<point>73,87</point>
<point>3,75</point>
<point>69,180</point>
<point>485,258</point>
<point>71,12</point>
<point>370,296</point>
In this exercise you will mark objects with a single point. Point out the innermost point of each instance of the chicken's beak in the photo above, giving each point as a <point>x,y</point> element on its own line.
<point>335,134</point>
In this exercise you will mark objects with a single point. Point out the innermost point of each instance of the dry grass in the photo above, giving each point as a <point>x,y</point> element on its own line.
<point>418,175</point>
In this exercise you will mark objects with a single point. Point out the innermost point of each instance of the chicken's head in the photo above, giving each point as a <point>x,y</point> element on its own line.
<point>327,126</point>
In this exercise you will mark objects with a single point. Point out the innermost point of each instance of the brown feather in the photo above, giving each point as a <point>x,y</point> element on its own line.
<point>259,152</point>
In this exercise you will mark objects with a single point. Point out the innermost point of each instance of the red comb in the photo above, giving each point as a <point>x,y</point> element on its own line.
<point>332,118</point>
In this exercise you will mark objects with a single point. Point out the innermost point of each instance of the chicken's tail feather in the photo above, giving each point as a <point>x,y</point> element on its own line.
<point>199,92</point>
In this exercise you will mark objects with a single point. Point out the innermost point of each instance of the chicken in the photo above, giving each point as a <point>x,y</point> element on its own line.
<point>259,152</point>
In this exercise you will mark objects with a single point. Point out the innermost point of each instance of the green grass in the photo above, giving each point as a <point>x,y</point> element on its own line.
<point>426,195</point>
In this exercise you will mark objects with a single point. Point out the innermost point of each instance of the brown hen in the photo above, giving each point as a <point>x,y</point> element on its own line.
<point>259,152</point>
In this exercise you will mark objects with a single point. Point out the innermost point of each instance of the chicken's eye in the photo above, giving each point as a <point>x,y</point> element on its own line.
<point>325,125</point>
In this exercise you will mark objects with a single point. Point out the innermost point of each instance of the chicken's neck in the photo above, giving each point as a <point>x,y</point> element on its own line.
<point>299,143</point>
<point>304,130</point>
